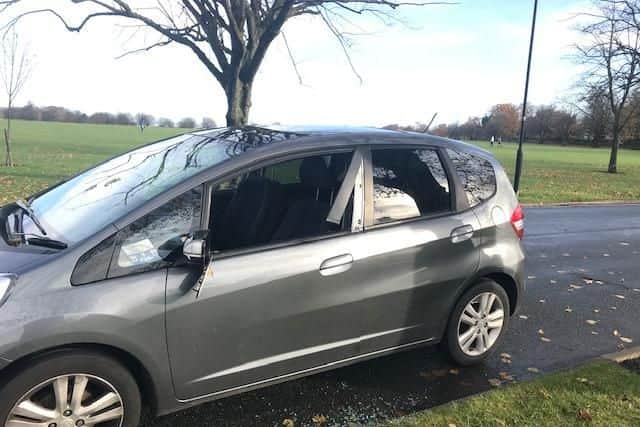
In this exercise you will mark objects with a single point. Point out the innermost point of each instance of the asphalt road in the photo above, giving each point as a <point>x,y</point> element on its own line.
<point>582,301</point>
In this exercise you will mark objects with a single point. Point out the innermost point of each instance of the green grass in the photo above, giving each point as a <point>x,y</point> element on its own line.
<point>48,152</point>
<point>600,394</point>
<point>571,174</point>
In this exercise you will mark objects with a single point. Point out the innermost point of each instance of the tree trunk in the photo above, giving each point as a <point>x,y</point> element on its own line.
<point>7,139</point>
<point>238,103</point>
<point>613,160</point>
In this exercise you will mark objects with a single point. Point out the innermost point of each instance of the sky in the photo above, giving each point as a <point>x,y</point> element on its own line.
<point>454,60</point>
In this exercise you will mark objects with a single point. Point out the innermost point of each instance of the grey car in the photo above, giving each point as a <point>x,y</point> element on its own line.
<point>225,260</point>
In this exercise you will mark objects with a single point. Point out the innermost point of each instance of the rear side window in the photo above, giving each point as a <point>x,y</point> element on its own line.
<point>476,174</point>
<point>408,183</point>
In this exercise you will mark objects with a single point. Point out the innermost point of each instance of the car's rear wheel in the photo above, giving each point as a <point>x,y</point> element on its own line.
<point>478,323</point>
<point>71,389</point>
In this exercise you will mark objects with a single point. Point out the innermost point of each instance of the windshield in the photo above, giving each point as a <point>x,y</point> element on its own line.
<point>87,203</point>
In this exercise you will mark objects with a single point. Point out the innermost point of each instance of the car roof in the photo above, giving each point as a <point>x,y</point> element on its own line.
<point>267,138</point>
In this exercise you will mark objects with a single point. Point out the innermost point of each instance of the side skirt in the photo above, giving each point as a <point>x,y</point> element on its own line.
<point>184,404</point>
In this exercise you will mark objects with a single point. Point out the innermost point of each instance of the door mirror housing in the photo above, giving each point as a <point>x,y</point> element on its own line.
<point>195,247</point>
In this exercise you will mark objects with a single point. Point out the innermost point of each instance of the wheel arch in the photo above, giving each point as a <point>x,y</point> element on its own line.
<point>142,376</point>
<point>508,283</point>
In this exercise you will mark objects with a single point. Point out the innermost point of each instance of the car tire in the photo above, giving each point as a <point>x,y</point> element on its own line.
<point>472,333</point>
<point>94,374</point>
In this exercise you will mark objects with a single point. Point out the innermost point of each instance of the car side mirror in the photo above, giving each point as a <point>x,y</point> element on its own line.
<point>195,247</point>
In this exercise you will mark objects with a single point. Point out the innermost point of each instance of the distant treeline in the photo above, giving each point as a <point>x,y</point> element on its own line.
<point>65,115</point>
<point>590,125</point>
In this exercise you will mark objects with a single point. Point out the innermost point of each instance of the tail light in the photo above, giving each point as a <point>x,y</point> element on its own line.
<point>517,221</point>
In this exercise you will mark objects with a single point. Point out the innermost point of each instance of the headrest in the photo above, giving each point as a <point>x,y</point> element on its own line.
<point>315,173</point>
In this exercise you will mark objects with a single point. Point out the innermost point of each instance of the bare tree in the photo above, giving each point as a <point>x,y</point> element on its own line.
<point>144,121</point>
<point>187,123</point>
<point>612,55</point>
<point>229,37</point>
<point>14,71</point>
<point>208,123</point>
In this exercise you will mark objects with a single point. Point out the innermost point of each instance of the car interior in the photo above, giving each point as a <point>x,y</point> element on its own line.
<point>284,202</point>
<point>406,171</point>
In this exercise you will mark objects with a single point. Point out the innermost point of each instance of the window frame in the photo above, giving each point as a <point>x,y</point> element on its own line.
<point>457,203</point>
<point>210,186</point>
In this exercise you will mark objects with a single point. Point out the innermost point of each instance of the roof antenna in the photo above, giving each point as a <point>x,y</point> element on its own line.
<point>426,129</point>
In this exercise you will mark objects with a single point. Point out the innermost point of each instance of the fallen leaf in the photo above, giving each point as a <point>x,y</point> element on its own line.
<point>495,382</point>
<point>288,422</point>
<point>439,372</point>
<point>619,296</point>
<point>505,376</point>
<point>585,415</point>
<point>592,322</point>
<point>626,340</point>
<point>545,393</point>
<point>534,370</point>
<point>545,339</point>
<point>319,419</point>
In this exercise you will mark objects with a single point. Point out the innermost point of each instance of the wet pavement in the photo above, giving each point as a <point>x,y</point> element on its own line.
<point>582,301</point>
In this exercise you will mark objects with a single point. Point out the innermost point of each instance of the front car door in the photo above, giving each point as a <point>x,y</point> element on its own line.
<point>416,250</point>
<point>281,296</point>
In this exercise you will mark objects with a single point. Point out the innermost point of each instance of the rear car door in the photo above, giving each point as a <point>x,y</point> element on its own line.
<point>280,296</point>
<point>417,248</point>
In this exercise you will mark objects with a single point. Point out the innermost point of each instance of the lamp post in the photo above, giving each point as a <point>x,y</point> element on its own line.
<point>520,155</point>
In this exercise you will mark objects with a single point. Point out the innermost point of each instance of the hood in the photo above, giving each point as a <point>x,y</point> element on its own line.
<point>16,260</point>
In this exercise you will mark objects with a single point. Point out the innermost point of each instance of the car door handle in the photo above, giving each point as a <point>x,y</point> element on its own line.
<point>462,234</point>
<point>336,265</point>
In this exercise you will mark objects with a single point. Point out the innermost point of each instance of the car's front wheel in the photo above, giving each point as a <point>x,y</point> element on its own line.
<point>478,323</point>
<point>71,389</point>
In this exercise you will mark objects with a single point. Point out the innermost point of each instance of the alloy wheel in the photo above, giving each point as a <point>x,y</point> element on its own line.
<point>480,324</point>
<point>77,400</point>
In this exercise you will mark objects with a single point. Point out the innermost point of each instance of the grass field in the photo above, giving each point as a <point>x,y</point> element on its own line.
<point>47,152</point>
<point>601,394</point>
<point>571,174</point>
